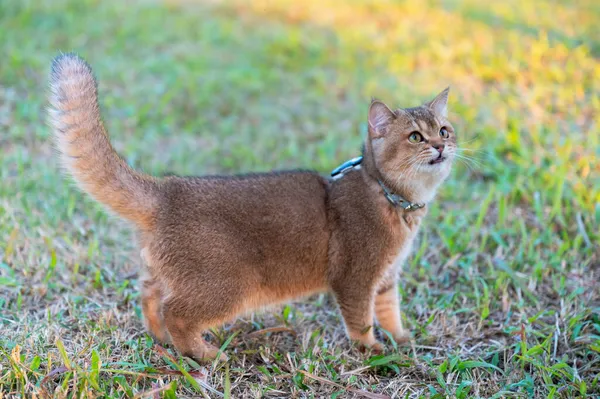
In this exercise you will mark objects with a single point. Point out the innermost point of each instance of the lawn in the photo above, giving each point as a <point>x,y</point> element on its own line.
<point>502,293</point>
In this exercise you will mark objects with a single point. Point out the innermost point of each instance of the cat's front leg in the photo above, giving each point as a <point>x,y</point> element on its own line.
<point>357,307</point>
<point>387,309</point>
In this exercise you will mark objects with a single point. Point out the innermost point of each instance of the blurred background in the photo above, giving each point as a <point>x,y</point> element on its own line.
<point>206,86</point>
<point>200,87</point>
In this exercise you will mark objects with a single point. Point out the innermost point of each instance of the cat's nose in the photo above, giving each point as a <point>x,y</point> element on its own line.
<point>439,147</point>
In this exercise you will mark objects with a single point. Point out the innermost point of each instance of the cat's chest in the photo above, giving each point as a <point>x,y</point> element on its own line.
<point>399,256</point>
<point>395,262</point>
<point>406,233</point>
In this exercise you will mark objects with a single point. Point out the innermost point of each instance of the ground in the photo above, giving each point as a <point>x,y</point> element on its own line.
<point>502,293</point>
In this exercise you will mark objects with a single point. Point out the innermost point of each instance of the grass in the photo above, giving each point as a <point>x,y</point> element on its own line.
<point>502,293</point>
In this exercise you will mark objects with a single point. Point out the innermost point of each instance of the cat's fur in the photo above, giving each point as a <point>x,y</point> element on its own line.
<point>215,247</point>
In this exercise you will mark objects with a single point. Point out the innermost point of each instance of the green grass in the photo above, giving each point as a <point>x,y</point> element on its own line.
<point>502,293</point>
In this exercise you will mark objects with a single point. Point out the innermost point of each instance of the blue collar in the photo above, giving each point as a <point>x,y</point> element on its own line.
<point>345,167</point>
<point>394,199</point>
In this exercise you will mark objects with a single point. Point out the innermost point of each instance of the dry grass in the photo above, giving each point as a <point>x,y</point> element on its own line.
<point>502,294</point>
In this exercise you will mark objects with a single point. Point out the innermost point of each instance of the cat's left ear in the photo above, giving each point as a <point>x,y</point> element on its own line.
<point>439,105</point>
<point>379,117</point>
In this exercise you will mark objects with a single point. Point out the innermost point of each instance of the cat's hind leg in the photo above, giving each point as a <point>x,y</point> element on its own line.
<point>152,297</point>
<point>152,310</point>
<point>186,331</point>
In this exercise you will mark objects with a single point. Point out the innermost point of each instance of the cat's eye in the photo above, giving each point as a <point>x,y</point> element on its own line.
<point>444,133</point>
<point>415,137</point>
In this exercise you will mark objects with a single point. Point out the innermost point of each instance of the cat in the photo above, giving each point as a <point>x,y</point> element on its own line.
<point>216,247</point>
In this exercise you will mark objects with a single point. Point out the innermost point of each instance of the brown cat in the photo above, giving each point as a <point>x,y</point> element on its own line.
<point>215,247</point>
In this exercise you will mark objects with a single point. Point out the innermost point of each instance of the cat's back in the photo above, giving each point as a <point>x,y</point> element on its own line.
<point>284,195</point>
<point>271,210</point>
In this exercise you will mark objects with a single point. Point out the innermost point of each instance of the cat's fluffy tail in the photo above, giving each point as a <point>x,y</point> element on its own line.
<point>85,148</point>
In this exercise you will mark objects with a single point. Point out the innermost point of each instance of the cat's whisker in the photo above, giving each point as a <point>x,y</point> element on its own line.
<point>477,136</point>
<point>479,154</point>
<point>405,165</point>
<point>414,167</point>
<point>462,149</point>
<point>463,153</point>
<point>468,153</point>
<point>408,169</point>
<point>470,162</point>
<point>467,164</point>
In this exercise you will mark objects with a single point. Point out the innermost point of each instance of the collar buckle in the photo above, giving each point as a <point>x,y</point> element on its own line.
<point>414,207</point>
<point>398,201</point>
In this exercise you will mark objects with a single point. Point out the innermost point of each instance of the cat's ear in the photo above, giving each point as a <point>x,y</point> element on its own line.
<point>439,105</point>
<point>379,117</point>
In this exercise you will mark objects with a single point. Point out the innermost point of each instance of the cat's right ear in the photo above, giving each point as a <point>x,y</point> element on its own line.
<point>379,117</point>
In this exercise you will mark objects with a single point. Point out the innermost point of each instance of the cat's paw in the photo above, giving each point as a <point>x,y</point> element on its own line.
<point>375,347</point>
<point>207,353</point>
<point>402,337</point>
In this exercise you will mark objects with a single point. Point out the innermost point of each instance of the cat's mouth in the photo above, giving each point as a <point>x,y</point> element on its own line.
<point>439,159</point>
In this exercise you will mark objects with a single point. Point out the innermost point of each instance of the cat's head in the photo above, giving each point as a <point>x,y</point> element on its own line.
<point>413,148</point>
